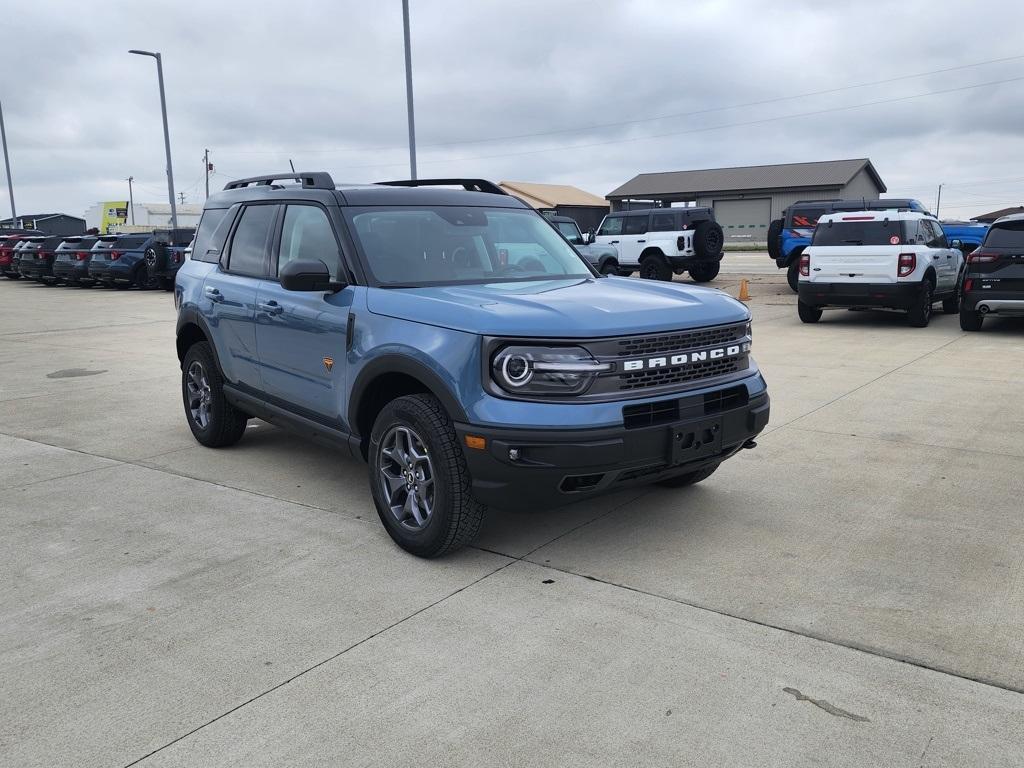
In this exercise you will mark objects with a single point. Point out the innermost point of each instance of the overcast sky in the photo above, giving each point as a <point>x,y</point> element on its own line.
<point>510,89</point>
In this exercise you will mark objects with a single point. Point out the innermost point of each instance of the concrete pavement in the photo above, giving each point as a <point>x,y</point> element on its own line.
<point>850,593</point>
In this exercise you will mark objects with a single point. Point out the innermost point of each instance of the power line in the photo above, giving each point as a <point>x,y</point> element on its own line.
<point>761,121</point>
<point>598,126</point>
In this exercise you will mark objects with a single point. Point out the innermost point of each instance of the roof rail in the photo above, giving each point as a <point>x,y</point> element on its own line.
<point>470,185</point>
<point>310,180</point>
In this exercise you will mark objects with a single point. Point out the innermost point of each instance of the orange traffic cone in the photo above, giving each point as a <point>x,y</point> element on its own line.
<point>744,291</point>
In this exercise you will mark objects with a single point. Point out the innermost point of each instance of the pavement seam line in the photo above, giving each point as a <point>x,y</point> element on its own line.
<point>905,442</point>
<point>897,369</point>
<point>321,663</point>
<point>877,653</point>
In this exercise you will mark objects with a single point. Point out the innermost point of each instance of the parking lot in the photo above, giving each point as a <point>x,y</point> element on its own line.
<point>849,593</point>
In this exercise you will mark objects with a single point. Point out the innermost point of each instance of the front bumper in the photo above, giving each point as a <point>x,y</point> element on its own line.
<point>561,466</point>
<point>1006,303</point>
<point>683,262</point>
<point>887,295</point>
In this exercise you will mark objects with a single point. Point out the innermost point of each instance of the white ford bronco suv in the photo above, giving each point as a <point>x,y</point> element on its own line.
<point>890,259</point>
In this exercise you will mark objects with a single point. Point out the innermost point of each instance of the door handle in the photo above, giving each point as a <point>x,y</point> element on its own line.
<point>270,307</point>
<point>641,241</point>
<point>213,294</point>
<point>613,242</point>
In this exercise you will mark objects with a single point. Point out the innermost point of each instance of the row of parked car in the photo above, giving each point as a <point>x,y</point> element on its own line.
<point>143,260</point>
<point>901,258</point>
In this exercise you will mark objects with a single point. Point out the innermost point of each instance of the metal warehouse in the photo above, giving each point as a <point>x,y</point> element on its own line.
<point>746,199</point>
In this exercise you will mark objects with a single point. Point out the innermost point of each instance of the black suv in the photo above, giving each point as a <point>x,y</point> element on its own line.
<point>146,260</point>
<point>994,281</point>
<point>37,259</point>
<point>71,259</point>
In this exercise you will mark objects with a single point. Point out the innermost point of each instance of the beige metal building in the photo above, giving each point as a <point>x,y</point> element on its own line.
<point>565,200</point>
<point>746,199</point>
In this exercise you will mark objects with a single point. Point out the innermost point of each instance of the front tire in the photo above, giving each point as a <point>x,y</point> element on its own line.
<point>705,271</point>
<point>419,480</point>
<point>214,422</point>
<point>654,267</point>
<point>808,314</point>
<point>970,320</point>
<point>688,478</point>
<point>609,268</point>
<point>921,311</point>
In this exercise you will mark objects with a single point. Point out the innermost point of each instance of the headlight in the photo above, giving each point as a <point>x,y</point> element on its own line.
<point>545,370</point>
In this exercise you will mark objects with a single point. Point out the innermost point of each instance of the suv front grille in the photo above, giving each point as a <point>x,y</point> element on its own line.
<point>675,342</point>
<point>695,372</point>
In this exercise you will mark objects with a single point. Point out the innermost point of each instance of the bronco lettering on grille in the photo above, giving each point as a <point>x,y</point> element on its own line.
<point>686,358</point>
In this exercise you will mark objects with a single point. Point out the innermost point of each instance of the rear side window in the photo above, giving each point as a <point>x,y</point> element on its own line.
<point>859,233</point>
<point>308,234</point>
<point>249,243</point>
<point>204,248</point>
<point>635,225</point>
<point>612,225</point>
<point>1007,235</point>
<point>805,218</point>
<point>663,222</point>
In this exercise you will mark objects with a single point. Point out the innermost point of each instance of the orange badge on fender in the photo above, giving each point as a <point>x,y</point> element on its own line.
<point>328,363</point>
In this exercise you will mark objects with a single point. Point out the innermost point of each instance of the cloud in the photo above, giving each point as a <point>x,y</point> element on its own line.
<point>323,83</point>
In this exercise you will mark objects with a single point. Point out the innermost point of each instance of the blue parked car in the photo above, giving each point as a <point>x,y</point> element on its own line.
<point>458,344</point>
<point>147,260</point>
<point>788,236</point>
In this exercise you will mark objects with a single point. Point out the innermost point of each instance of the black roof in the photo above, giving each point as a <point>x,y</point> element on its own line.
<point>860,204</point>
<point>316,186</point>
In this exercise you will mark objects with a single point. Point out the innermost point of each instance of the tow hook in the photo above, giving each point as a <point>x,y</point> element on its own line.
<point>750,444</point>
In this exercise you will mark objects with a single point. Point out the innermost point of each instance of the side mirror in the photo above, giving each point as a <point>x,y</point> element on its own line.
<point>958,244</point>
<point>309,275</point>
<point>588,237</point>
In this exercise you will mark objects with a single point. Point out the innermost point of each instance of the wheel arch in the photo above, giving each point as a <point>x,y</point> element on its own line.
<point>386,378</point>
<point>192,329</point>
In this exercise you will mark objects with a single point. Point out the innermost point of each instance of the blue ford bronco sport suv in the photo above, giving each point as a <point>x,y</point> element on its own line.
<point>457,343</point>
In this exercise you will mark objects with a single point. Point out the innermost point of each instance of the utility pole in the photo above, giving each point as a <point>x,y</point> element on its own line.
<point>7,165</point>
<point>181,195</point>
<point>938,199</point>
<point>408,90</point>
<point>131,199</point>
<point>167,133</point>
<point>206,170</point>
<point>291,164</point>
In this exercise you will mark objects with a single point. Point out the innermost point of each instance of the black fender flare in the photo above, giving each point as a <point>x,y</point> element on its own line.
<point>190,316</point>
<point>403,364</point>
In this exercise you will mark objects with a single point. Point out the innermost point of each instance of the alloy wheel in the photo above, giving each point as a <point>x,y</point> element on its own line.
<point>200,396</point>
<point>406,477</point>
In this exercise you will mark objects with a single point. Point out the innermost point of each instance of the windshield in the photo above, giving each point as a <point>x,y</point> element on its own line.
<point>441,245</point>
<point>859,233</point>
<point>1008,235</point>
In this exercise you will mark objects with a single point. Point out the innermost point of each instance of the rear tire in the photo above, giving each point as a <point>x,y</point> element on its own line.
<point>214,422</point>
<point>775,239</point>
<point>609,268</point>
<point>793,275</point>
<point>951,305</point>
<point>705,271</point>
<point>970,320</point>
<point>688,478</point>
<point>654,267</point>
<point>13,277</point>
<point>708,240</point>
<point>808,314</point>
<point>921,311</point>
<point>413,438</point>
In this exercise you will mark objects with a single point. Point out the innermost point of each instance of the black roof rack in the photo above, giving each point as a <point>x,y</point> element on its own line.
<point>310,180</point>
<point>470,185</point>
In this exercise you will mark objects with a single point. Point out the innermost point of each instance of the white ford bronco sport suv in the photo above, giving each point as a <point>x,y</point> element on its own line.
<point>891,259</point>
<point>663,241</point>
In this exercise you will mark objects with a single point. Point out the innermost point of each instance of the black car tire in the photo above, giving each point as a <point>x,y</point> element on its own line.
<point>808,314</point>
<point>454,516</point>
<point>167,283</point>
<point>970,319</point>
<point>793,275</point>
<point>609,268</point>
<point>775,239</point>
<point>951,304</point>
<point>708,240</point>
<point>226,424</point>
<point>688,478</point>
<point>705,271</point>
<point>654,267</point>
<point>12,277</point>
<point>920,311</point>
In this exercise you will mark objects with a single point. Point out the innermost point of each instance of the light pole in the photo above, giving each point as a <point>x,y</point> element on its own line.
<point>131,199</point>
<point>938,200</point>
<point>408,89</point>
<point>7,165</point>
<point>167,133</point>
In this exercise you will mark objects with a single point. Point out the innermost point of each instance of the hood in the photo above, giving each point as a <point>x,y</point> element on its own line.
<point>578,308</point>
